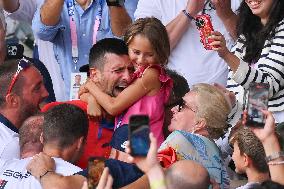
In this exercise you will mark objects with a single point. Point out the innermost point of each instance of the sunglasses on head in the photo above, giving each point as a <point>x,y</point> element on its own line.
<point>22,65</point>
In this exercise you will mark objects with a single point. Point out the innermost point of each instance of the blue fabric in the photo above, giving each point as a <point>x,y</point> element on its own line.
<point>60,36</point>
<point>120,135</point>
<point>195,147</point>
<point>122,173</point>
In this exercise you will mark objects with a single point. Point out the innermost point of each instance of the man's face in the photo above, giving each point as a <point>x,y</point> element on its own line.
<point>238,159</point>
<point>185,119</point>
<point>33,94</point>
<point>116,73</point>
<point>78,79</point>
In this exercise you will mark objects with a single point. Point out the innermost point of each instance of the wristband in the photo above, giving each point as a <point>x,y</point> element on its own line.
<point>115,3</point>
<point>188,15</point>
<point>274,156</point>
<point>276,163</point>
<point>158,184</point>
<point>46,172</point>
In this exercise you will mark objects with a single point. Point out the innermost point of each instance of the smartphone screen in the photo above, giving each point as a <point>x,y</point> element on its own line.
<point>257,101</point>
<point>96,167</point>
<point>139,135</point>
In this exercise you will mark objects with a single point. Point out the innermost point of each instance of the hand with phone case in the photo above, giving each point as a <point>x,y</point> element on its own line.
<point>219,44</point>
<point>205,27</point>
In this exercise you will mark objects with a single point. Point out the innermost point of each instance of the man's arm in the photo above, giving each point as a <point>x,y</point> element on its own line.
<point>50,12</point>
<point>21,10</point>
<point>228,17</point>
<point>42,167</point>
<point>178,26</point>
<point>10,5</point>
<point>56,181</point>
<point>119,20</point>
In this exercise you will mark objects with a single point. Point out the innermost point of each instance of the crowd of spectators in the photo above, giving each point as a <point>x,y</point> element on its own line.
<point>98,63</point>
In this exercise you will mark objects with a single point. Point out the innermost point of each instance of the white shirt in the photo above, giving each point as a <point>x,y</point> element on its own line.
<point>25,13</point>
<point>189,57</point>
<point>14,175</point>
<point>9,140</point>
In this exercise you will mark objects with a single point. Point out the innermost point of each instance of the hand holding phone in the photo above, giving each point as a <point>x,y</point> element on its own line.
<point>257,100</point>
<point>205,27</point>
<point>139,135</point>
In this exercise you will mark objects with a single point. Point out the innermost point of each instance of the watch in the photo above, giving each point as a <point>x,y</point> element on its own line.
<point>115,3</point>
<point>274,156</point>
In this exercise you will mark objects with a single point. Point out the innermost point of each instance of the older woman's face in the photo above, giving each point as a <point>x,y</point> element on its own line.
<point>184,117</point>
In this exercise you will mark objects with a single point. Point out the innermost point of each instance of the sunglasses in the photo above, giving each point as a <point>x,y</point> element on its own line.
<point>22,65</point>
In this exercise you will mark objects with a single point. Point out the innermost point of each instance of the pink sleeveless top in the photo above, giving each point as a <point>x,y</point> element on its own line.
<point>153,106</point>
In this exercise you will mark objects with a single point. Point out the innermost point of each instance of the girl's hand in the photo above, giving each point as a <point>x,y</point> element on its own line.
<point>94,110</point>
<point>89,84</point>
<point>82,90</point>
<point>219,44</point>
<point>145,164</point>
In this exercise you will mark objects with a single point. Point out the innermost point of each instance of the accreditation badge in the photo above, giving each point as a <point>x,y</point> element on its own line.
<point>77,80</point>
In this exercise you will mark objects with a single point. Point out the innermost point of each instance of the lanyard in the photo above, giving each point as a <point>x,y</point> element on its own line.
<point>73,29</point>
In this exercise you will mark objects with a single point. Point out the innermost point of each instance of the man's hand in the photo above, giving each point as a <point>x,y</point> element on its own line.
<point>40,164</point>
<point>223,8</point>
<point>194,6</point>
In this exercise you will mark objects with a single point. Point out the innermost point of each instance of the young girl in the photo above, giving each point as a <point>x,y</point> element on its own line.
<point>149,90</point>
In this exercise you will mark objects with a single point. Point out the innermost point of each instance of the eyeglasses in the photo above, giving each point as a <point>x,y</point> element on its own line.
<point>22,65</point>
<point>183,105</point>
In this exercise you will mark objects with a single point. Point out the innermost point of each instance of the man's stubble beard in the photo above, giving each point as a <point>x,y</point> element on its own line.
<point>27,110</point>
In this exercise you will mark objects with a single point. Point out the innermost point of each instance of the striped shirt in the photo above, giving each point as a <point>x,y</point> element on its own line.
<point>268,69</point>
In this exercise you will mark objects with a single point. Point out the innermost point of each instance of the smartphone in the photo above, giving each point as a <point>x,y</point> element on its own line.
<point>205,27</point>
<point>96,167</point>
<point>257,101</point>
<point>138,135</point>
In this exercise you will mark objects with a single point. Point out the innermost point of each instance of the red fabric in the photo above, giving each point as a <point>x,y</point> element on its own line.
<point>167,157</point>
<point>94,146</point>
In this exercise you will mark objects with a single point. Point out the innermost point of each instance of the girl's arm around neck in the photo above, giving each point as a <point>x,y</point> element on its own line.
<point>148,83</point>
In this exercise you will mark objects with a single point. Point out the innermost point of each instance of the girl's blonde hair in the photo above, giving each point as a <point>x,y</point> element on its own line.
<point>152,29</point>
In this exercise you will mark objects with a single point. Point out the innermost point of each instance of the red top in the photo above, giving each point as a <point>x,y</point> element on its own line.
<point>95,146</point>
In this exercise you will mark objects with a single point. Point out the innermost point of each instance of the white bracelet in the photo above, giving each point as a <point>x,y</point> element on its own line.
<point>276,163</point>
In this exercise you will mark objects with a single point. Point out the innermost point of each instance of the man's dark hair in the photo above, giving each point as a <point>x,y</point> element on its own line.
<point>269,185</point>
<point>180,86</point>
<point>64,124</point>
<point>104,46</point>
<point>250,145</point>
<point>7,71</point>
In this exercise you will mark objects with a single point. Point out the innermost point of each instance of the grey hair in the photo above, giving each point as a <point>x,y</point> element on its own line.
<point>213,107</point>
